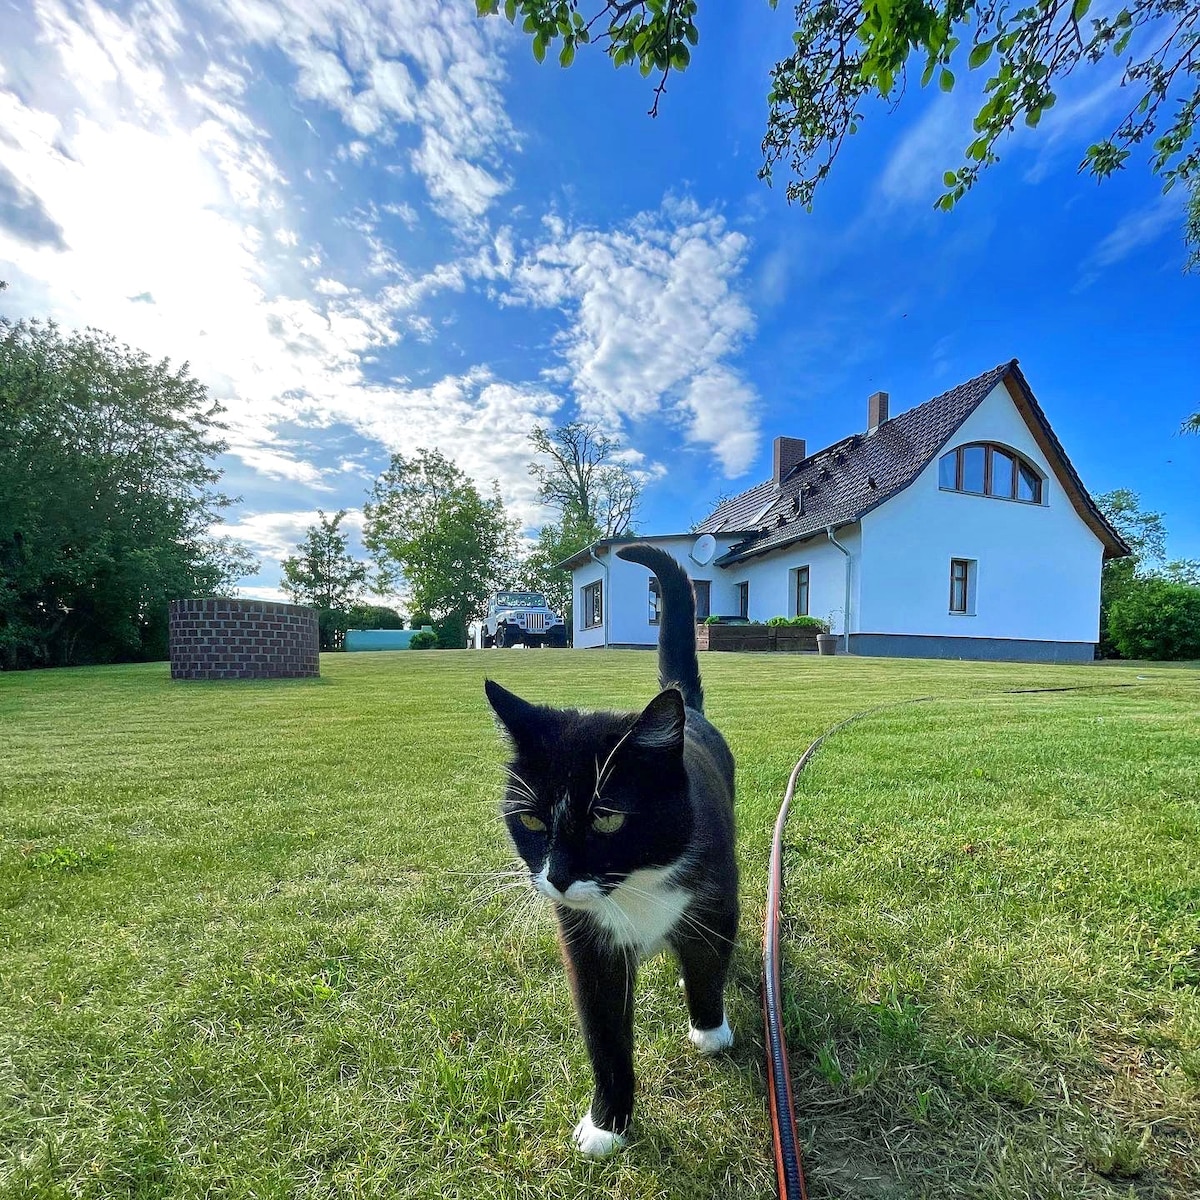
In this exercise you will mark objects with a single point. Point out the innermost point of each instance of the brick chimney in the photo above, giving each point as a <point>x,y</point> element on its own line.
<point>788,452</point>
<point>877,410</point>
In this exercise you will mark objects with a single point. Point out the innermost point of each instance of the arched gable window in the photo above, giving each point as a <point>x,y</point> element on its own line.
<point>988,470</point>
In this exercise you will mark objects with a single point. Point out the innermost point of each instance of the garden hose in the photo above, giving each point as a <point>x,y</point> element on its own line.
<point>789,1168</point>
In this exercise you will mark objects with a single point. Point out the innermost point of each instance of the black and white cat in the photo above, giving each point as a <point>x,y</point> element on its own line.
<point>625,821</point>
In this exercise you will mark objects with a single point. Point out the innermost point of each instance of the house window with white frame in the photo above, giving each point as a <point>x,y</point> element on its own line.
<point>702,589</point>
<point>800,592</point>
<point>962,586</point>
<point>743,592</point>
<point>591,605</point>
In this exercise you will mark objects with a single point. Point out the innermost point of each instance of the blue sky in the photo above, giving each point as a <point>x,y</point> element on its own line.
<point>373,227</point>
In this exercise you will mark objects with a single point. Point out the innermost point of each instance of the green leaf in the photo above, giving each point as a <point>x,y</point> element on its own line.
<point>980,54</point>
<point>949,178</point>
<point>539,48</point>
<point>946,80</point>
<point>567,56</point>
<point>1080,9</point>
<point>510,11</point>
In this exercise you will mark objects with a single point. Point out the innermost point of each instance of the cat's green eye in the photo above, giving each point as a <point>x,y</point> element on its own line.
<point>608,822</point>
<point>531,822</point>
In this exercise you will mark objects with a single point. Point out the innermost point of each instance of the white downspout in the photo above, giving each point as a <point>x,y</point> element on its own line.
<point>606,595</point>
<point>846,608</point>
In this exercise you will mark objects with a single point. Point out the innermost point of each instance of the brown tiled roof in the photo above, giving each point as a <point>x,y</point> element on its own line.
<point>843,482</point>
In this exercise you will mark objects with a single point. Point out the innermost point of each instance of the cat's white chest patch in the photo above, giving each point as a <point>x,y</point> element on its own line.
<point>644,909</point>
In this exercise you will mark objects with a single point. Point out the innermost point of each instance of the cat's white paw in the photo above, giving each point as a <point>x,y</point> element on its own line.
<point>709,1041</point>
<point>594,1142</point>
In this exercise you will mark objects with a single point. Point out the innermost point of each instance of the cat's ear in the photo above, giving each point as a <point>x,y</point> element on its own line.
<point>659,728</point>
<point>524,721</point>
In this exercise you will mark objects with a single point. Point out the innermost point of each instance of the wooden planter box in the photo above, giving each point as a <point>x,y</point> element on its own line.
<point>754,637</point>
<point>794,639</point>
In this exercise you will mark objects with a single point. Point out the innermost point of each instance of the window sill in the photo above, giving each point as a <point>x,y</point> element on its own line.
<point>987,496</point>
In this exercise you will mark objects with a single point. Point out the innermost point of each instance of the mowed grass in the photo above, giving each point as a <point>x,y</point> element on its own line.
<point>250,941</point>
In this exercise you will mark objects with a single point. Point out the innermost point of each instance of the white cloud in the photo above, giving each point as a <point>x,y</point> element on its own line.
<point>152,202</point>
<point>656,316</point>
<point>934,145</point>
<point>274,594</point>
<point>480,422</point>
<point>420,63</point>
<point>270,535</point>
<point>1138,229</point>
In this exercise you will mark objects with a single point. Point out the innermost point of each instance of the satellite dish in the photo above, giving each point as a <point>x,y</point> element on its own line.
<point>704,549</point>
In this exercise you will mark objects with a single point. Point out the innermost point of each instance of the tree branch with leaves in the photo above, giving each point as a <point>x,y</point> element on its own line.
<point>848,53</point>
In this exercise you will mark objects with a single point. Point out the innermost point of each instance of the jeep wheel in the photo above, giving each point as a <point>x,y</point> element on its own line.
<point>557,639</point>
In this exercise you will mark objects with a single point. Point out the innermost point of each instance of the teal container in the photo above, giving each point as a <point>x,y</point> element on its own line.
<point>380,639</point>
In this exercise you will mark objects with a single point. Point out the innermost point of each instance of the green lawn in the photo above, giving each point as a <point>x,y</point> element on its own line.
<point>250,946</point>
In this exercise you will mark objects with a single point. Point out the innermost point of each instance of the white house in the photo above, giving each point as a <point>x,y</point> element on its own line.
<point>958,529</point>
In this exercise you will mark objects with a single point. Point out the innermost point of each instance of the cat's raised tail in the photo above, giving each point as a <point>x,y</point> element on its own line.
<point>677,662</point>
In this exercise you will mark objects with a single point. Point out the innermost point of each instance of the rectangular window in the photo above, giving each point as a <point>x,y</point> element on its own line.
<point>1029,485</point>
<point>1001,469</point>
<point>801,592</point>
<point>960,584</point>
<point>973,459</point>
<point>701,589</point>
<point>948,471</point>
<point>592,605</point>
<point>655,602</point>
<point>743,599</point>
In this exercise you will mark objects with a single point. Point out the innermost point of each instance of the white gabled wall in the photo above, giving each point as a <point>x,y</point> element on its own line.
<point>627,586</point>
<point>1037,565</point>
<point>627,592</point>
<point>772,582</point>
<point>580,578</point>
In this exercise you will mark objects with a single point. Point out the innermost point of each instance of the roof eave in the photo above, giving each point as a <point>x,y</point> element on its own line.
<point>1089,512</point>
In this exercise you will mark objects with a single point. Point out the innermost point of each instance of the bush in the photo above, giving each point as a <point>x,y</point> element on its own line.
<point>331,628</point>
<point>451,632</point>
<point>1154,618</point>
<point>425,640</point>
<point>374,616</point>
<point>813,623</point>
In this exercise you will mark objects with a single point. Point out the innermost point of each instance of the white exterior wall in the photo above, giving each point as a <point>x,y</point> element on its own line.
<point>627,592</point>
<point>1038,565</point>
<point>580,578</point>
<point>772,586</point>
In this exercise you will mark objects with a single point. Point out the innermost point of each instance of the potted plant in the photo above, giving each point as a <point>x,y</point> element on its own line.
<point>828,640</point>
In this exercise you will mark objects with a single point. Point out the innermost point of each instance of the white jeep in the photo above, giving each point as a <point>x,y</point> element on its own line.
<point>516,618</point>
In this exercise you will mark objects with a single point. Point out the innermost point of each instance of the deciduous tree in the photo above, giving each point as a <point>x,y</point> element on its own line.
<point>326,575</point>
<point>430,530</point>
<point>580,473</point>
<point>556,542</point>
<point>107,496</point>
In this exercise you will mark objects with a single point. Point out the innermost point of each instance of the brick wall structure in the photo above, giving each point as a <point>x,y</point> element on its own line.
<point>219,638</point>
